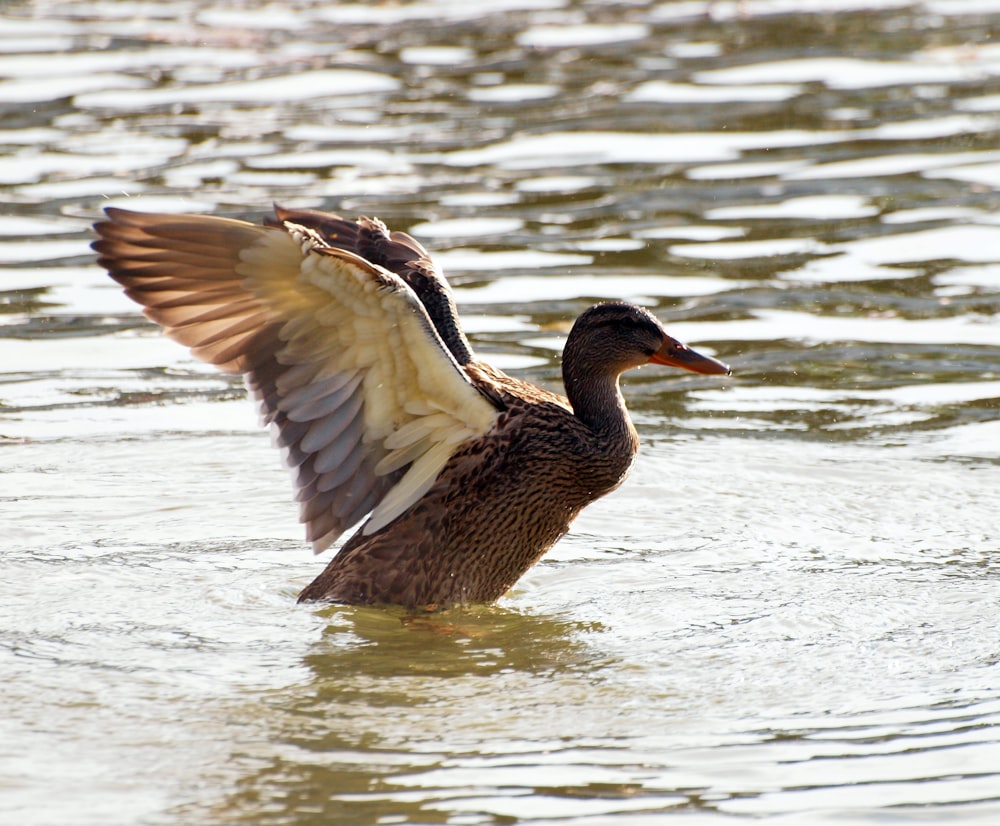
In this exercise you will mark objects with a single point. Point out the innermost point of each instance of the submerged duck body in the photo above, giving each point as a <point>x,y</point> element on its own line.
<point>348,338</point>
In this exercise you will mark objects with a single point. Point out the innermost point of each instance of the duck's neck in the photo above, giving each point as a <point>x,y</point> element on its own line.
<point>597,402</point>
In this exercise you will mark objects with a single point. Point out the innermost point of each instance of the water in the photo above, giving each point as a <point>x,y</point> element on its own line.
<point>787,615</point>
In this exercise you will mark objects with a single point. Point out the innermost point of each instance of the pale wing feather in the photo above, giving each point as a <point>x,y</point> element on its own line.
<point>414,484</point>
<point>369,321</point>
<point>339,353</point>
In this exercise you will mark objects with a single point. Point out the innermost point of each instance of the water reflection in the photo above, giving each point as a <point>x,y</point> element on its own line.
<point>473,641</point>
<point>393,699</point>
<point>389,730</point>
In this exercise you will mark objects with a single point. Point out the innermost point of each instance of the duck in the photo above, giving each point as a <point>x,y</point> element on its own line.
<point>456,476</point>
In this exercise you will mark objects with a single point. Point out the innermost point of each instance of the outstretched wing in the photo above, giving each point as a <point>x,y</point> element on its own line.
<point>363,397</point>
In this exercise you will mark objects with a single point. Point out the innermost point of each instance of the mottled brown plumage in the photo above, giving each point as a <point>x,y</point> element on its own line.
<point>348,338</point>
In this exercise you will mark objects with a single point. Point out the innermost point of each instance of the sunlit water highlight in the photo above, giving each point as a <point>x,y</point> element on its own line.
<point>787,615</point>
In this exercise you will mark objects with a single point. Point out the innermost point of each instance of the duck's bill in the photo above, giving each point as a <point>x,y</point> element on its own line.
<point>675,354</point>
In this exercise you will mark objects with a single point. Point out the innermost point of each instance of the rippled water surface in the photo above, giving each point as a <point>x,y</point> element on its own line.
<point>788,615</point>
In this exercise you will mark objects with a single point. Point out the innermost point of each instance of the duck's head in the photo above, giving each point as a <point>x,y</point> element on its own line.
<point>619,336</point>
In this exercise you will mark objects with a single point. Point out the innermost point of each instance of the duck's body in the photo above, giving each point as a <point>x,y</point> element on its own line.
<point>497,506</point>
<point>349,340</point>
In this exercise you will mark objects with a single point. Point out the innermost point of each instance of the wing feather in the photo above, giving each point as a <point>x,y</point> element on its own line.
<point>335,452</point>
<point>334,478</point>
<point>414,484</point>
<point>338,404</point>
<point>361,394</point>
<point>330,426</point>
